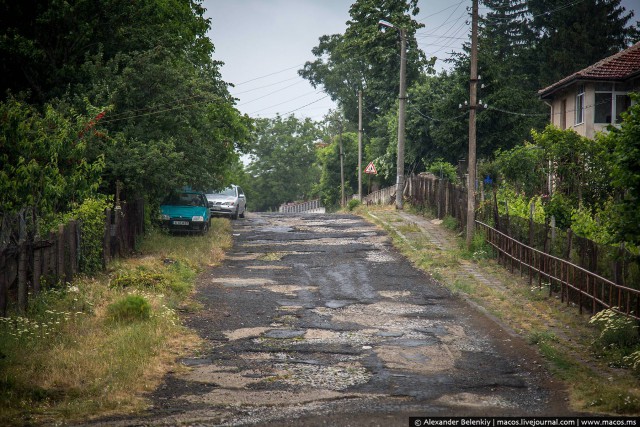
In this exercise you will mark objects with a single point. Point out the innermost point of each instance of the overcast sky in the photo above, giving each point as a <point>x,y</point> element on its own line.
<point>263,44</point>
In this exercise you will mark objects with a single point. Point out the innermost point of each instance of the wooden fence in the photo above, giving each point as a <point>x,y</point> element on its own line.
<point>590,275</point>
<point>29,262</point>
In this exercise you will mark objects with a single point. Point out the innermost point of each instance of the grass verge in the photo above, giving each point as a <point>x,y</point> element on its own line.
<point>70,358</point>
<point>563,337</point>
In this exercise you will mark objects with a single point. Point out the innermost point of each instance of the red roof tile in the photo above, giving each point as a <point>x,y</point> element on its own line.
<point>618,67</point>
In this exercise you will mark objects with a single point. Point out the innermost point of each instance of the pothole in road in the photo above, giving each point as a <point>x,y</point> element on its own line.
<point>268,267</point>
<point>236,282</point>
<point>423,359</point>
<point>284,334</point>
<point>394,294</point>
<point>241,333</point>
<point>474,400</point>
<point>339,377</point>
<point>378,256</point>
<point>290,290</point>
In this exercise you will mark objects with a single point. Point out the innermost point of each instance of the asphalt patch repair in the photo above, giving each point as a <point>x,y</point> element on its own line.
<point>315,319</point>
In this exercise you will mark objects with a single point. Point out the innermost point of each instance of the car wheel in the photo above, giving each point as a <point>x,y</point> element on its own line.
<point>205,227</point>
<point>243,212</point>
<point>235,214</point>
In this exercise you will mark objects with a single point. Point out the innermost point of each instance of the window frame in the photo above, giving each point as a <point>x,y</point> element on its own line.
<point>579,106</point>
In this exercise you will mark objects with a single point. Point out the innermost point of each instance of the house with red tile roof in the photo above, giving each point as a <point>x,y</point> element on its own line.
<point>593,98</point>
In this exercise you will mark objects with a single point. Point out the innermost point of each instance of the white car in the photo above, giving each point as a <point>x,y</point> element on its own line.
<point>230,201</point>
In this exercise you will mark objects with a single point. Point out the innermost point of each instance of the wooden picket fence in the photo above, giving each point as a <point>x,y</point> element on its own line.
<point>28,263</point>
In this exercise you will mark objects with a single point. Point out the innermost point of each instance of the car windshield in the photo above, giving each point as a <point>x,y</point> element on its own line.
<point>226,192</point>
<point>184,199</point>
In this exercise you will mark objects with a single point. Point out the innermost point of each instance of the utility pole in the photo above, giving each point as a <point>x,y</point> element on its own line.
<point>342,201</point>
<point>473,107</point>
<point>402,106</point>
<point>359,146</point>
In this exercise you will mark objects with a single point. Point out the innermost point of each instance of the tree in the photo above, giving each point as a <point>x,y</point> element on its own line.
<point>365,58</point>
<point>43,161</point>
<point>624,145</point>
<point>573,36</point>
<point>283,161</point>
<point>169,121</point>
<point>44,44</point>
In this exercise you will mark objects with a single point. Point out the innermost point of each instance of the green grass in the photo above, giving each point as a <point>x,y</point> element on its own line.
<point>66,360</point>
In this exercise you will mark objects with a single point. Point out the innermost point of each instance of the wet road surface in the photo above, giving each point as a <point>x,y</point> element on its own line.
<point>318,320</point>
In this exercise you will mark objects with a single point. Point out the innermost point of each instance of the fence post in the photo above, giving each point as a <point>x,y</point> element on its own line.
<point>532,209</point>
<point>60,239</point>
<point>22,276</point>
<point>72,229</point>
<point>3,283</point>
<point>37,269</point>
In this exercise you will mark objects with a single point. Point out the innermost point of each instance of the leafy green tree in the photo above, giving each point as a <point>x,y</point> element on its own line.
<point>573,36</point>
<point>44,44</point>
<point>170,120</point>
<point>171,126</point>
<point>579,167</point>
<point>524,168</point>
<point>43,161</point>
<point>282,164</point>
<point>366,58</point>
<point>329,161</point>
<point>624,145</point>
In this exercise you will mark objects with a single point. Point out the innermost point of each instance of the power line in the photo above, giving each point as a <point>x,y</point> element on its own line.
<point>269,75</point>
<point>306,105</point>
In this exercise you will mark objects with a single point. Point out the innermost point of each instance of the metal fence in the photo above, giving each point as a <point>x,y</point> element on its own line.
<point>299,207</point>
<point>573,283</point>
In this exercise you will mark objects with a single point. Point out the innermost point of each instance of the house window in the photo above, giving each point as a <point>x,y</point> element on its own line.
<point>610,101</point>
<point>580,105</point>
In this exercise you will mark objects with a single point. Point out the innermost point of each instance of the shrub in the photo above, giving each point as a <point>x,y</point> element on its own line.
<point>352,204</point>
<point>90,214</point>
<point>131,308</point>
<point>616,330</point>
<point>141,279</point>
<point>633,362</point>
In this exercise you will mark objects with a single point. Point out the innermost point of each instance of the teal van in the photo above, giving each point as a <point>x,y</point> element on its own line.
<point>186,211</point>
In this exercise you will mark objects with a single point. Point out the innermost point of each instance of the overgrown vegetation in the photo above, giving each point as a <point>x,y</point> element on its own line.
<point>95,346</point>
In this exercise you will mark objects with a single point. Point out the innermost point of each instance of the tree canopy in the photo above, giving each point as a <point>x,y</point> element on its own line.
<point>141,73</point>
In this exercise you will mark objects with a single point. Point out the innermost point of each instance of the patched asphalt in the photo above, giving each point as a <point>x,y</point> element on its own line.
<point>315,319</point>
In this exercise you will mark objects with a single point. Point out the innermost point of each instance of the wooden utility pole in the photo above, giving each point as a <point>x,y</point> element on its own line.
<point>360,145</point>
<point>473,106</point>
<point>402,103</point>
<point>342,198</point>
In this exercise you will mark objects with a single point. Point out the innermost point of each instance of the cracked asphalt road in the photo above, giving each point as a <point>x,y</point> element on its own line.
<point>317,320</point>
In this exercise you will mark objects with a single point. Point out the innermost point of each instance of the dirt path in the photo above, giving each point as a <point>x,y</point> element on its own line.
<point>318,320</point>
